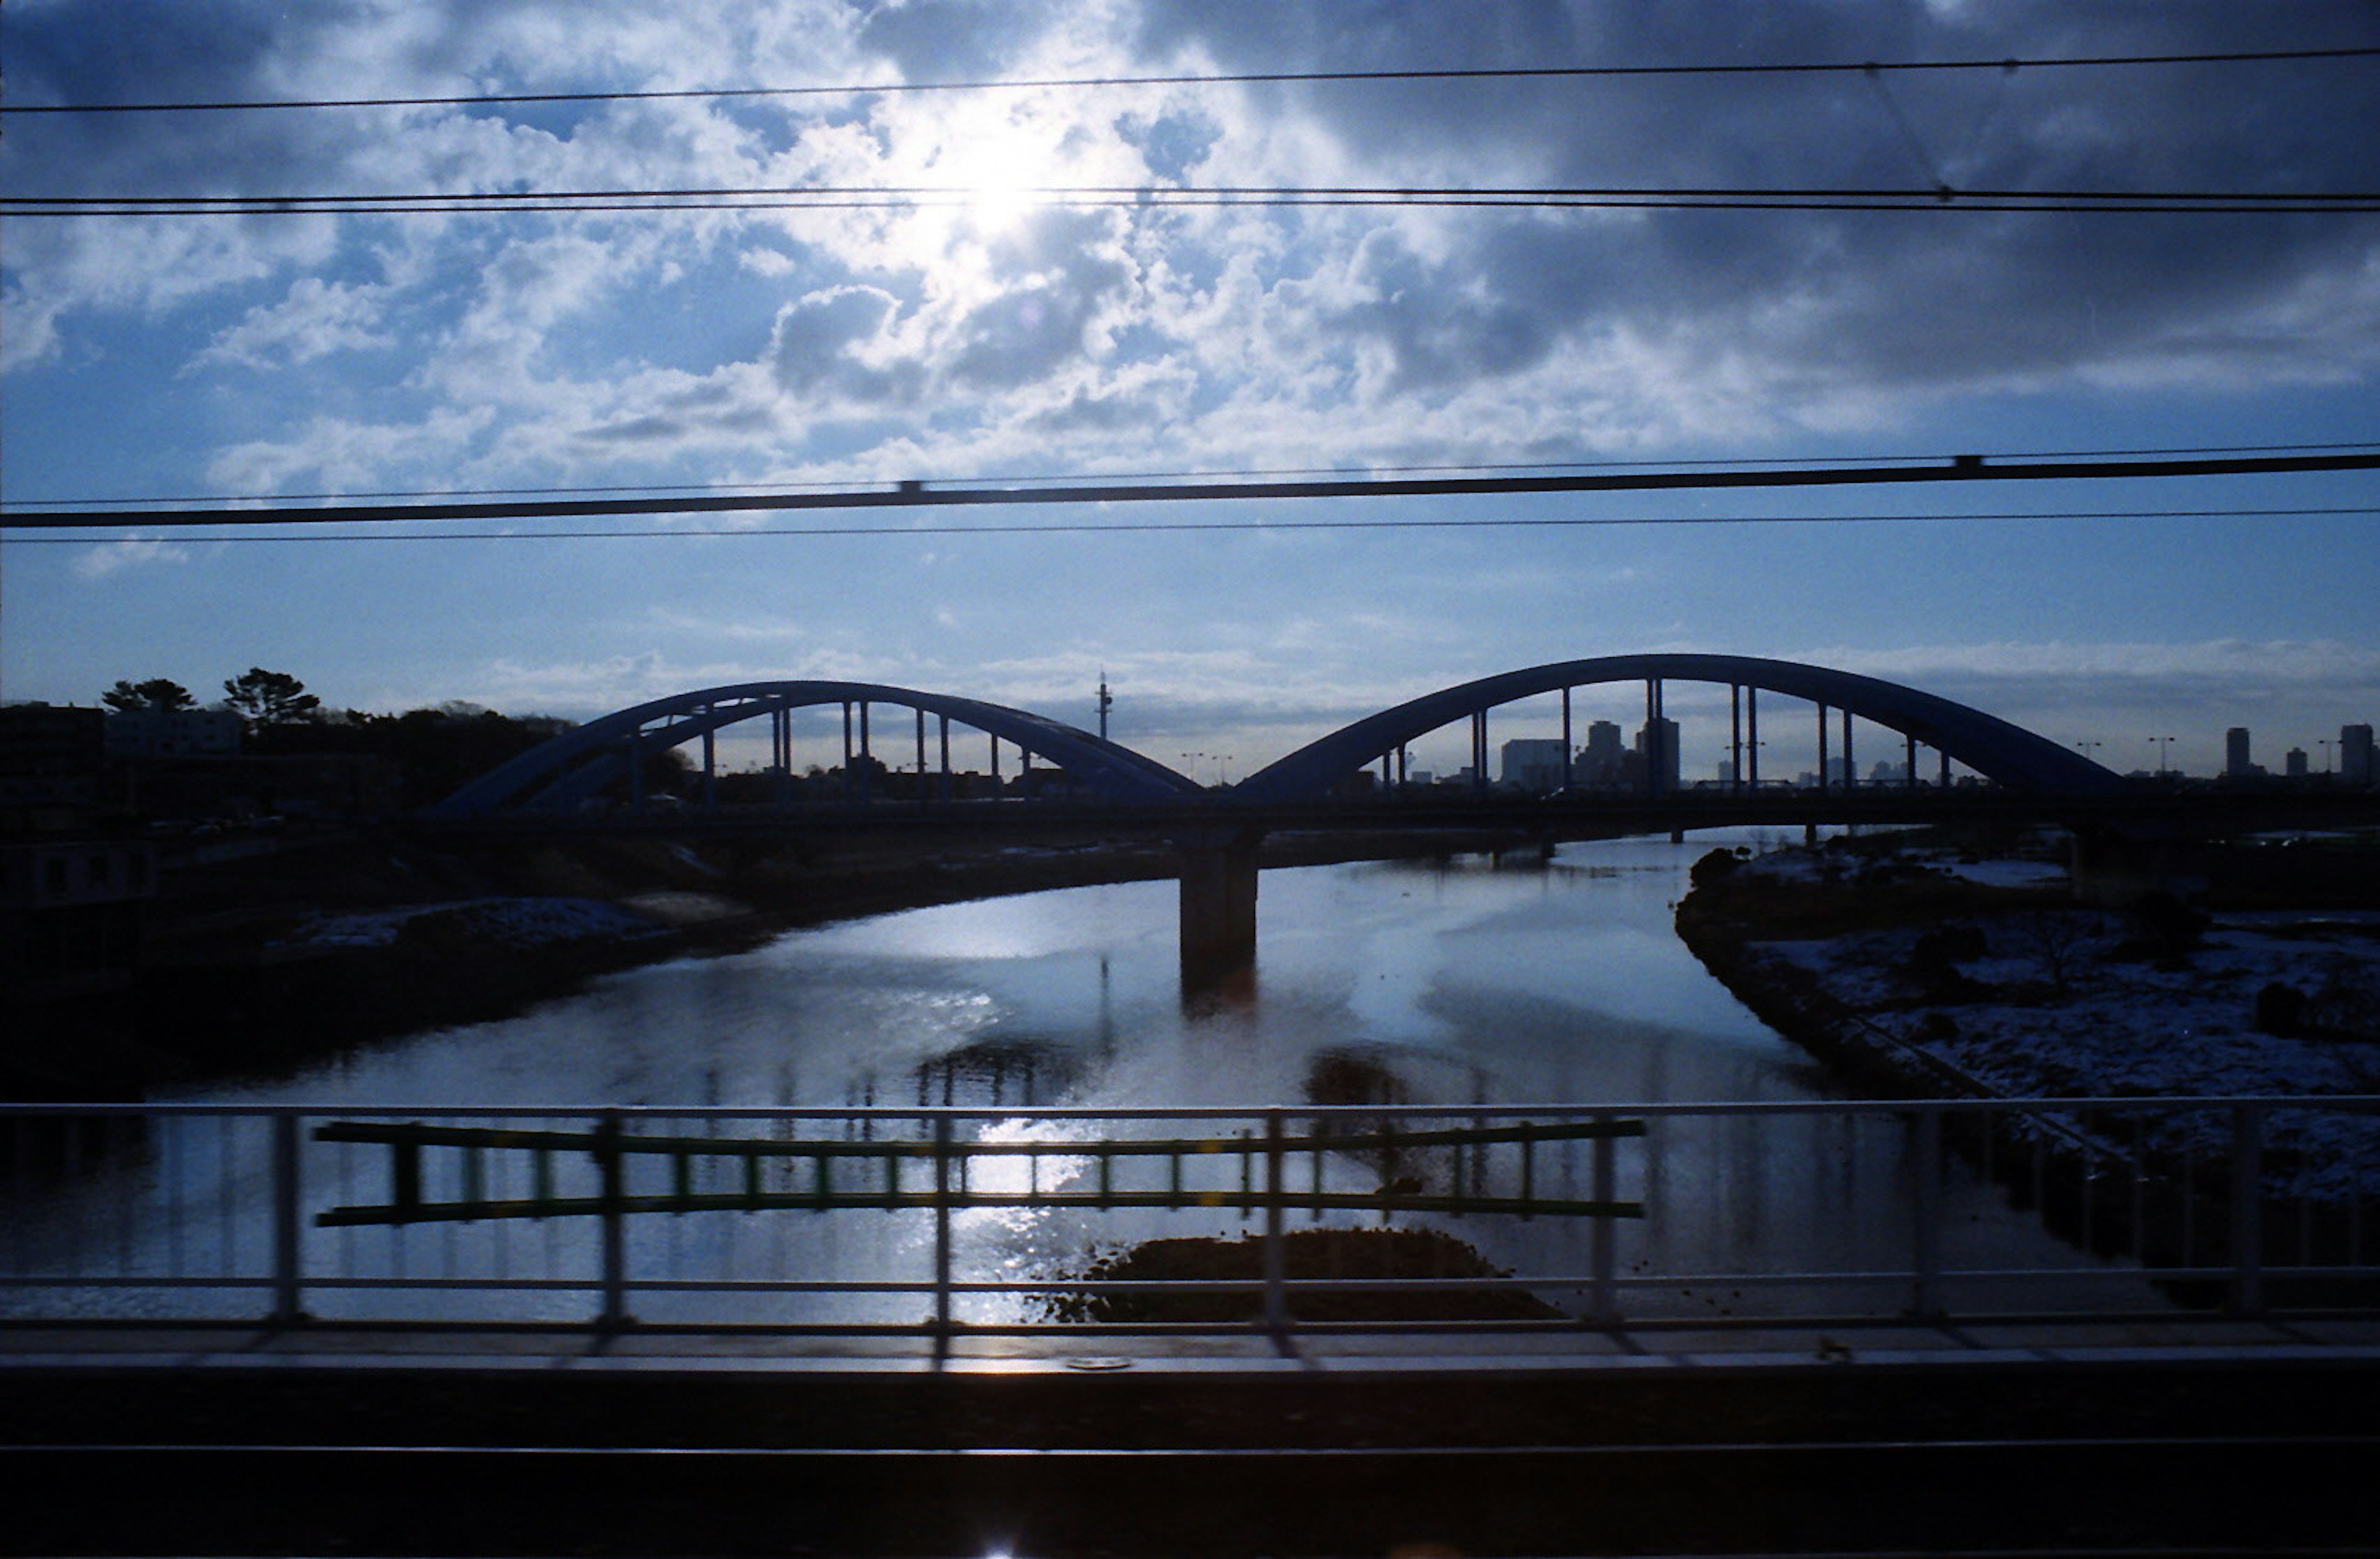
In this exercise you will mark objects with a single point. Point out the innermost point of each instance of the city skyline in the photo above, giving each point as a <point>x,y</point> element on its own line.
<point>982,334</point>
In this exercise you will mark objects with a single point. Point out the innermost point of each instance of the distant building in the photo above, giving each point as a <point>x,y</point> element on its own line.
<point>1535,764</point>
<point>2236,763</point>
<point>50,756</point>
<point>70,914</point>
<point>2296,763</point>
<point>174,733</point>
<point>1657,744</point>
<point>2355,754</point>
<point>1603,759</point>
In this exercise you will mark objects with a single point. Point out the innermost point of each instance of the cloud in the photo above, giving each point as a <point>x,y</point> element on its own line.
<point>134,551</point>
<point>827,339</point>
<point>963,335</point>
<point>316,318</point>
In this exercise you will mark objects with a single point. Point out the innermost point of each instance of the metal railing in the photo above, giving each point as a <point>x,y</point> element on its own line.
<point>998,1219</point>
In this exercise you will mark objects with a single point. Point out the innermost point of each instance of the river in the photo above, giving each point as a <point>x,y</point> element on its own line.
<point>1465,980</point>
<point>1460,983</point>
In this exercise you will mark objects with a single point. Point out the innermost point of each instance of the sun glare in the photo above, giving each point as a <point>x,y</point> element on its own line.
<point>997,176</point>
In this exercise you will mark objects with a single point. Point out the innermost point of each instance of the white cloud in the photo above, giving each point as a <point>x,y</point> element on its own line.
<point>316,318</point>
<point>134,551</point>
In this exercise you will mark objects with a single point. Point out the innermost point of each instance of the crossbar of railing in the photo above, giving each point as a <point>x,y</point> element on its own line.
<point>398,1214</point>
<point>396,1133</point>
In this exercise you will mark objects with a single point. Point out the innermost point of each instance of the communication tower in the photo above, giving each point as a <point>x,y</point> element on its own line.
<point>1106,701</point>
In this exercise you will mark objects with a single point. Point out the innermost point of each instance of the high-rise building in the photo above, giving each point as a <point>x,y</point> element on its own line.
<point>1534,763</point>
<point>1656,742</point>
<point>2235,764</point>
<point>2355,754</point>
<point>2296,763</point>
<point>1599,760</point>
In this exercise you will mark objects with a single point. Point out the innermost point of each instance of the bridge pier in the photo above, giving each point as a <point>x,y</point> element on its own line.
<point>1219,909</point>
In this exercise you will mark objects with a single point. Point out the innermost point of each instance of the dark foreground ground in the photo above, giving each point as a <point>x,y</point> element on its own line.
<point>245,1446</point>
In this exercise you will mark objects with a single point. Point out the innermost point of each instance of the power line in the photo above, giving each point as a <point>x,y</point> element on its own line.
<point>1581,72</point>
<point>1165,198</point>
<point>1075,478</point>
<point>913,495</point>
<point>1118,528</point>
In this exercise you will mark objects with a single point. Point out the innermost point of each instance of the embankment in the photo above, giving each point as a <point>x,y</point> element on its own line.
<point>257,964</point>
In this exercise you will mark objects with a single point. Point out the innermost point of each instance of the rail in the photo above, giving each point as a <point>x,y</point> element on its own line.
<point>1426,1217</point>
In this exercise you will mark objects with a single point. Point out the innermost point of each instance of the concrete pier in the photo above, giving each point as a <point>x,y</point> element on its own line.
<point>1219,908</point>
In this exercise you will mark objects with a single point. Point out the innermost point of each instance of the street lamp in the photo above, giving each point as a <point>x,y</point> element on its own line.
<point>2323,742</point>
<point>2164,744</point>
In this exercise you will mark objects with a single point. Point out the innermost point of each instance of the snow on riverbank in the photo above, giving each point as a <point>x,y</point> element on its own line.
<point>496,923</point>
<point>2021,995</point>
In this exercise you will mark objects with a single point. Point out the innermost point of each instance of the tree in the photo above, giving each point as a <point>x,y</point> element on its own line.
<point>270,697</point>
<point>157,693</point>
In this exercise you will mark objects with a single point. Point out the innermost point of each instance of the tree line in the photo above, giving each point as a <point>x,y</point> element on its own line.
<point>434,750</point>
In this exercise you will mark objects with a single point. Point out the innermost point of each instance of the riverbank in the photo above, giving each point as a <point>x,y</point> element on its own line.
<point>257,964</point>
<point>1916,970</point>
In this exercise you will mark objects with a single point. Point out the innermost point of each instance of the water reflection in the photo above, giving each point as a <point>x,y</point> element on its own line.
<point>1536,980</point>
<point>1460,982</point>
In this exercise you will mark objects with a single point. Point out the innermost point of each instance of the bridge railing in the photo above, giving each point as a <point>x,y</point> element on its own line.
<point>1312,1217</point>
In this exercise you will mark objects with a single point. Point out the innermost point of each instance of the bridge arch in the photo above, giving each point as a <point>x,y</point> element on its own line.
<point>2005,753</point>
<point>560,774</point>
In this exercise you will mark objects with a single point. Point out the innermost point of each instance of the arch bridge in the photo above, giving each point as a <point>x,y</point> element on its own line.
<point>585,762</point>
<point>1218,831</point>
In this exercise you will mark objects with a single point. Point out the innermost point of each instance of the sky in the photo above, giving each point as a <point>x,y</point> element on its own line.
<point>985,334</point>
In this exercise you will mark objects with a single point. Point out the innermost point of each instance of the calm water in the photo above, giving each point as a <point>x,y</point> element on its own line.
<point>1462,982</point>
<point>1449,983</point>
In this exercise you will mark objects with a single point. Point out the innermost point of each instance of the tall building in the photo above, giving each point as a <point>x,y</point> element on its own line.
<point>1656,743</point>
<point>2355,754</point>
<point>1600,760</point>
<point>2296,763</point>
<point>2236,765</point>
<point>1534,763</point>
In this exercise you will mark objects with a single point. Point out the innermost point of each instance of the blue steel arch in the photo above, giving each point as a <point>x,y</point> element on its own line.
<point>559,774</point>
<point>2005,753</point>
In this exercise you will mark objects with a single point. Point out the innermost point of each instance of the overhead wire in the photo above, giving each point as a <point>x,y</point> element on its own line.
<point>1199,198</point>
<point>1554,72</point>
<point>1115,527</point>
<point>913,495</point>
<point>1197,474</point>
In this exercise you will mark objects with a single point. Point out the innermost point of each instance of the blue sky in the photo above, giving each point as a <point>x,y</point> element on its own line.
<point>168,357</point>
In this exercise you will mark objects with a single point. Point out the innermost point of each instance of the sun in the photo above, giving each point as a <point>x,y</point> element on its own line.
<point>998,175</point>
<point>989,163</point>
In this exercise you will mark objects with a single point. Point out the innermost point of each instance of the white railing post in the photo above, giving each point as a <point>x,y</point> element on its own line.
<point>1275,1258</point>
<point>2247,1296</point>
<point>288,1306</point>
<point>1925,1214</point>
<point>1604,1250</point>
<point>609,1165</point>
<point>942,1226</point>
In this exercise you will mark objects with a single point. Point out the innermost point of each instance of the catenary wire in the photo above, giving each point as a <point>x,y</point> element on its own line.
<point>2336,202</point>
<point>1960,468</point>
<point>1189,475</point>
<point>1578,72</point>
<point>1166,193</point>
<point>912,494</point>
<point>1079,528</point>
